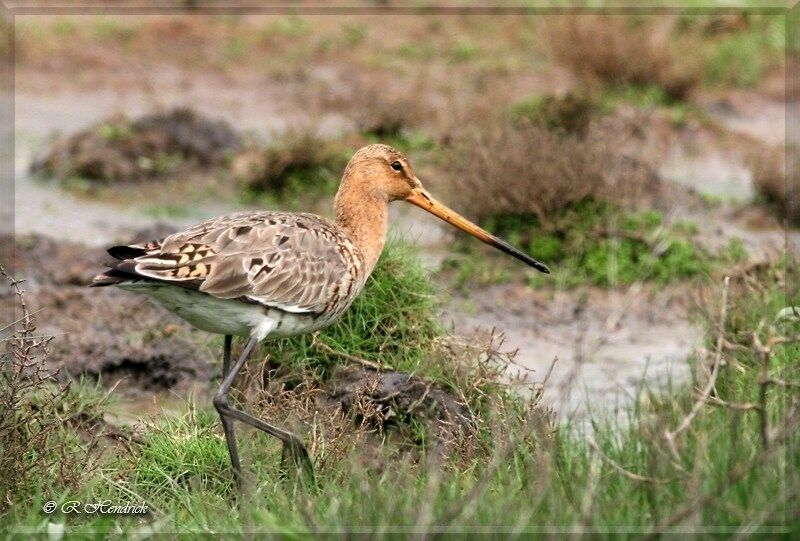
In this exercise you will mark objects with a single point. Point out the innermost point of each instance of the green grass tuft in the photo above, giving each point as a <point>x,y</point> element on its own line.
<point>741,58</point>
<point>592,243</point>
<point>392,322</point>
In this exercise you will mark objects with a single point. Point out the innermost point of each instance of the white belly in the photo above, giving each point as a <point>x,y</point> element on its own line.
<point>226,316</point>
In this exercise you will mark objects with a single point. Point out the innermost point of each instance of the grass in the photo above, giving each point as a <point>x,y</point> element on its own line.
<point>740,58</point>
<point>521,474</point>
<point>589,243</point>
<point>392,322</point>
<point>572,112</point>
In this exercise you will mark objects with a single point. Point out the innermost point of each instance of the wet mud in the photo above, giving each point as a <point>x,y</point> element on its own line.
<point>109,335</point>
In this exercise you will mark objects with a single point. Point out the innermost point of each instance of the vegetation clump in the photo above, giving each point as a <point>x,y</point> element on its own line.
<point>570,113</point>
<point>124,149</point>
<point>41,422</point>
<point>621,50</point>
<point>521,167</point>
<point>299,162</point>
<point>594,243</point>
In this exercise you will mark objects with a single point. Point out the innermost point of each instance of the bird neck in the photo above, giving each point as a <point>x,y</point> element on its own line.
<point>365,218</point>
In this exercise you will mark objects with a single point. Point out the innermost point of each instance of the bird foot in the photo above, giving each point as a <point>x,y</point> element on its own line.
<point>295,459</point>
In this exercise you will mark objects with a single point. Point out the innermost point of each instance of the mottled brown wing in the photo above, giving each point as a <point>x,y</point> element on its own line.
<point>295,262</point>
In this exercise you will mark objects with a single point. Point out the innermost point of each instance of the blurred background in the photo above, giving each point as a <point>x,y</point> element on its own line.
<point>640,156</point>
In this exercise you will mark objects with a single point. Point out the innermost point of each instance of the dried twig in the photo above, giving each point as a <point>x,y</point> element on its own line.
<point>620,469</point>
<point>325,348</point>
<point>741,406</point>
<point>669,435</point>
<point>764,352</point>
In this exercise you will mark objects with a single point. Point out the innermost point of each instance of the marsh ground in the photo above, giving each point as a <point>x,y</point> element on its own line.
<point>239,77</point>
<point>419,83</point>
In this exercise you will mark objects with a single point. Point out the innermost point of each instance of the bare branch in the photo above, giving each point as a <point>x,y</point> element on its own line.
<point>669,436</point>
<point>620,469</point>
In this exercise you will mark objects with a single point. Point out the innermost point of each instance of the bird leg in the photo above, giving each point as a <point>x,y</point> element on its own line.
<point>227,424</point>
<point>293,448</point>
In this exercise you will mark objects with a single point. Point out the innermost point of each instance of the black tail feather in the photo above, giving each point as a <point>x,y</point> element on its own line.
<point>126,251</point>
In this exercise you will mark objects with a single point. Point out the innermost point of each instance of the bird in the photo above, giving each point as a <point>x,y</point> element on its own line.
<point>264,275</point>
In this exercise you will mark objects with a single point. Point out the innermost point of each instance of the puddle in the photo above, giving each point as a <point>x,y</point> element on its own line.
<point>712,172</point>
<point>608,346</point>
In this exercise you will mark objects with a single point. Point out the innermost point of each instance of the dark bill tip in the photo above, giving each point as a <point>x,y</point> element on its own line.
<point>503,246</point>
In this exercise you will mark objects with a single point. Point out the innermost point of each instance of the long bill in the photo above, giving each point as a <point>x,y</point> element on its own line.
<point>424,200</point>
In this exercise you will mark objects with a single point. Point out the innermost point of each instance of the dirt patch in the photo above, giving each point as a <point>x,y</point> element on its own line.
<point>45,261</point>
<point>108,334</point>
<point>609,346</point>
<point>124,149</point>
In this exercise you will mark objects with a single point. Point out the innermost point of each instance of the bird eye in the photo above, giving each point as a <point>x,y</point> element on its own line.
<point>397,166</point>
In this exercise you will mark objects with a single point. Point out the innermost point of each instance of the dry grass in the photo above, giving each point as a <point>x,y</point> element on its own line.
<point>35,448</point>
<point>622,51</point>
<point>523,168</point>
<point>363,408</point>
<point>770,168</point>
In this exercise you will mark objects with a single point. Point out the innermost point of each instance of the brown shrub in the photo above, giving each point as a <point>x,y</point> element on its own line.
<point>522,168</point>
<point>32,413</point>
<point>770,168</point>
<point>299,151</point>
<point>621,50</point>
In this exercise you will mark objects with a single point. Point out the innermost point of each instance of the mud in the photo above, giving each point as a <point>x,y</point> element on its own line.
<point>104,334</point>
<point>394,397</point>
<point>124,149</point>
<point>606,346</point>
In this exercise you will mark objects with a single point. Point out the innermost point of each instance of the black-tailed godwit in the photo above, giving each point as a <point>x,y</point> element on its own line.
<point>274,274</point>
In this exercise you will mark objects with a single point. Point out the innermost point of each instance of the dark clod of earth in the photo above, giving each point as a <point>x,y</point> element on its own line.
<point>124,149</point>
<point>393,398</point>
